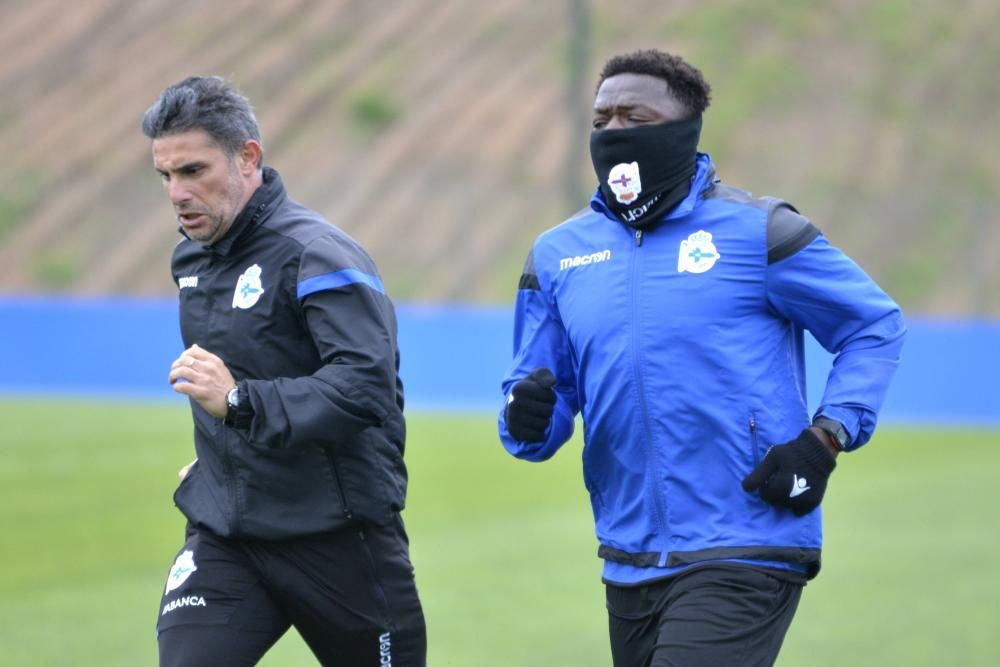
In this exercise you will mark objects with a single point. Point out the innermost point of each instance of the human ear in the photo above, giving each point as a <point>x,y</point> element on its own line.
<point>250,157</point>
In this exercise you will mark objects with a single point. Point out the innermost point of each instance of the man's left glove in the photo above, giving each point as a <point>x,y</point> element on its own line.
<point>530,406</point>
<point>793,475</point>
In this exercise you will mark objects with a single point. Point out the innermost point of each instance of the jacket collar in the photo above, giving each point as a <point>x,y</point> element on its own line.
<point>260,206</point>
<point>703,180</point>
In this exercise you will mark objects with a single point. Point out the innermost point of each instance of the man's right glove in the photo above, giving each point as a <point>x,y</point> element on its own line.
<point>530,406</point>
<point>794,474</point>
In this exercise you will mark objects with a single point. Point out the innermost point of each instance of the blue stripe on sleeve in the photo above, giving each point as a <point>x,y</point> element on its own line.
<point>338,279</point>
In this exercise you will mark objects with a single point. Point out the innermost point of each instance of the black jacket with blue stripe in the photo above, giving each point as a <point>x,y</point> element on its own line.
<point>296,310</point>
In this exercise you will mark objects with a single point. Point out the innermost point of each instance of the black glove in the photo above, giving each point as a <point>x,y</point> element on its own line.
<point>530,406</point>
<point>794,474</point>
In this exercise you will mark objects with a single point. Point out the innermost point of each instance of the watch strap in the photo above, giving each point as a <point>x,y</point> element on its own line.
<point>839,436</point>
<point>239,412</point>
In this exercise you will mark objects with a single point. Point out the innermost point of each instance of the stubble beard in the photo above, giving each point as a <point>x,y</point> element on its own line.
<point>219,224</point>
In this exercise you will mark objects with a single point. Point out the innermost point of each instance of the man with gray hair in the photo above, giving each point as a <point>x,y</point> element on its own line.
<point>291,367</point>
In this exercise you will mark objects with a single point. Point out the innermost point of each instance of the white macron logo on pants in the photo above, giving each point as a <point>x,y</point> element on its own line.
<point>385,650</point>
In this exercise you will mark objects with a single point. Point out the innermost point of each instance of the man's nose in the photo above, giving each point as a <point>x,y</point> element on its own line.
<point>177,193</point>
<point>615,123</point>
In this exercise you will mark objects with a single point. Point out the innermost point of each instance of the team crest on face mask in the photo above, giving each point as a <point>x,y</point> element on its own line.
<point>248,288</point>
<point>624,182</point>
<point>697,254</point>
<point>182,568</point>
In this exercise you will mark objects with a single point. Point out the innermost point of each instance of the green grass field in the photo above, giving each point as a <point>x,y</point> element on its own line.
<point>504,550</point>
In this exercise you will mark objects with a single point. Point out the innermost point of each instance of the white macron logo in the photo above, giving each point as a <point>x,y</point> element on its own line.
<point>385,649</point>
<point>583,260</point>
<point>799,486</point>
<point>187,281</point>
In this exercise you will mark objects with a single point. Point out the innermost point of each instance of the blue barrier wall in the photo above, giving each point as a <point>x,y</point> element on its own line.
<point>452,357</point>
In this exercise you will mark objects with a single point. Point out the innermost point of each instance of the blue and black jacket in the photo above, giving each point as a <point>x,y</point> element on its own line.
<point>682,348</point>
<point>296,310</point>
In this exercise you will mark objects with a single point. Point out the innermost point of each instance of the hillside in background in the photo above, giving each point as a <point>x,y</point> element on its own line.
<point>437,133</point>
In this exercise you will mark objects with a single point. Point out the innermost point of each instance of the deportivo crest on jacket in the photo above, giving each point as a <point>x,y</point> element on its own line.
<point>248,288</point>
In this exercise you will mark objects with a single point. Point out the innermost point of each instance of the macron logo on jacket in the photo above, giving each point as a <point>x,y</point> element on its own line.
<point>583,260</point>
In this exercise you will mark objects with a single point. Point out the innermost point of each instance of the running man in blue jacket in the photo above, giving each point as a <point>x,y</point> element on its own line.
<point>670,314</point>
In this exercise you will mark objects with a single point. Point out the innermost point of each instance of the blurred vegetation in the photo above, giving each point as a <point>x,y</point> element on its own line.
<point>10,216</point>
<point>372,111</point>
<point>438,133</point>
<point>56,271</point>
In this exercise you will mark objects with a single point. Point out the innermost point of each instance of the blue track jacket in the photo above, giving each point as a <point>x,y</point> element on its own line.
<point>682,347</point>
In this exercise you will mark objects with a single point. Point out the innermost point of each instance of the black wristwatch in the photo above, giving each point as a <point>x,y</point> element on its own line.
<point>838,433</point>
<point>232,402</point>
<point>239,413</point>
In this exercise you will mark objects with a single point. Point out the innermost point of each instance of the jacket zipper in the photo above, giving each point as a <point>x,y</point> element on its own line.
<point>643,409</point>
<point>753,440</point>
<point>340,486</point>
<point>228,465</point>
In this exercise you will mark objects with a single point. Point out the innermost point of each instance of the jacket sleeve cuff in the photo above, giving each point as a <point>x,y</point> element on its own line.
<point>560,430</point>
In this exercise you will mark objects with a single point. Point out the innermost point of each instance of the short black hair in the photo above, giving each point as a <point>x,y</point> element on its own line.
<point>206,103</point>
<point>684,82</point>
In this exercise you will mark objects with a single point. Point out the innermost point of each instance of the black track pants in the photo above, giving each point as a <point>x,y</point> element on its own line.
<point>350,594</point>
<point>711,616</point>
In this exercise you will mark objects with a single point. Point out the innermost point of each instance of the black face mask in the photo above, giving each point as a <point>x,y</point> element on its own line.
<point>645,171</point>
